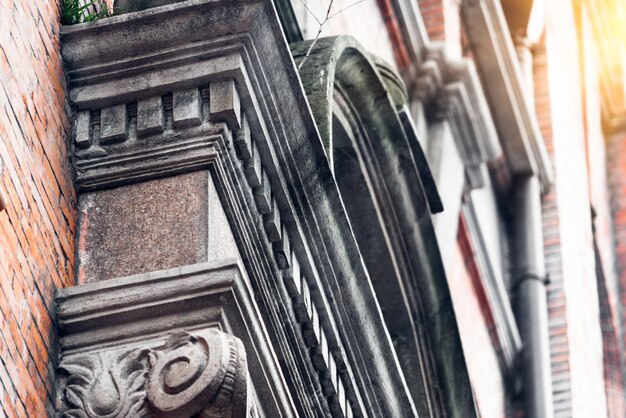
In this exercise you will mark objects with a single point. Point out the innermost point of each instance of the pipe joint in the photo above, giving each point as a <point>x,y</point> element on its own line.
<point>531,276</point>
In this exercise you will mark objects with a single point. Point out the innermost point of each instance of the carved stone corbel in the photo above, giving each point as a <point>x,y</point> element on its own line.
<point>450,90</point>
<point>103,385</point>
<point>203,373</point>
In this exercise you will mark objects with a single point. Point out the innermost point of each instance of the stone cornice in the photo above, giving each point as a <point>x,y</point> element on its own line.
<point>515,123</point>
<point>451,91</point>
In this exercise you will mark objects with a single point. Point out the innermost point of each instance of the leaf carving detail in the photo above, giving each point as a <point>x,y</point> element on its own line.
<point>98,386</point>
<point>188,375</point>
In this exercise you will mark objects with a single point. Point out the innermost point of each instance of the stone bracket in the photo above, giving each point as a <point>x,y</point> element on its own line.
<point>201,373</point>
<point>450,90</point>
<point>159,345</point>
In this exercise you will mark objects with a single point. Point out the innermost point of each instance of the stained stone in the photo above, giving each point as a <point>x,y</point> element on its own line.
<point>224,103</point>
<point>113,124</point>
<point>162,224</point>
<point>271,222</point>
<point>243,139</point>
<point>144,227</point>
<point>187,108</point>
<point>82,136</point>
<point>253,169</point>
<point>263,196</point>
<point>150,119</point>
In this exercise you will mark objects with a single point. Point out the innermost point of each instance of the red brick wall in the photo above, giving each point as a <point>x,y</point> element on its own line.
<point>37,228</point>
<point>559,343</point>
<point>576,340</point>
<point>443,22</point>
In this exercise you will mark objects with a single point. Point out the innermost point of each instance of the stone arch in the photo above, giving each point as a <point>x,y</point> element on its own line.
<point>359,105</point>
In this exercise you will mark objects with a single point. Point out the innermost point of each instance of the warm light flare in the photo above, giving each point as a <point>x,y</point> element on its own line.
<point>608,20</point>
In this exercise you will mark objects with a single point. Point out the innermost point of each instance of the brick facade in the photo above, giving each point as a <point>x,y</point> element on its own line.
<point>38,226</point>
<point>616,152</point>
<point>557,306</point>
<point>574,211</point>
<point>584,322</point>
<point>443,22</point>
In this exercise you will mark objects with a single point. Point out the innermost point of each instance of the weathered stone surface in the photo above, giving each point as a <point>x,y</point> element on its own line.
<point>82,135</point>
<point>243,140</point>
<point>221,243</point>
<point>113,124</point>
<point>103,384</point>
<point>149,343</point>
<point>224,103</point>
<point>202,373</point>
<point>150,116</point>
<point>128,6</point>
<point>187,110</point>
<point>190,46</point>
<point>144,227</point>
<point>375,155</point>
<point>253,169</point>
<point>271,222</point>
<point>263,196</point>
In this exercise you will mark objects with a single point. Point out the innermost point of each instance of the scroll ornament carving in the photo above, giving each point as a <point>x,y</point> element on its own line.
<point>203,375</point>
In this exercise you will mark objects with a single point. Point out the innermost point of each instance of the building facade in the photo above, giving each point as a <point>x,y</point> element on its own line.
<point>259,208</point>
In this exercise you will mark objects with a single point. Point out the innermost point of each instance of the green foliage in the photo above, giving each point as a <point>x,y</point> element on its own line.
<point>75,12</point>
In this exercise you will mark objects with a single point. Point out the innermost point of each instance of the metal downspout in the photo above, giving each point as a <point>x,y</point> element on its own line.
<point>530,279</point>
<point>532,303</point>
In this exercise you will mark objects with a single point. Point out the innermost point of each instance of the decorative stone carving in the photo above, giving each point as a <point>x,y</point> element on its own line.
<point>203,373</point>
<point>194,374</point>
<point>450,90</point>
<point>360,108</point>
<point>110,385</point>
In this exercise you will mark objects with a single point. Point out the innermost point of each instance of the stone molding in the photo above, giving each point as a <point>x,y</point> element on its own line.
<point>155,345</point>
<point>488,113</point>
<point>361,109</point>
<point>517,129</point>
<point>515,120</point>
<point>400,98</point>
<point>450,90</point>
<point>262,148</point>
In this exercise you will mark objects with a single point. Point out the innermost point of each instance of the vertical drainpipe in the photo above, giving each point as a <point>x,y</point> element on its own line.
<point>532,303</point>
<point>530,276</point>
